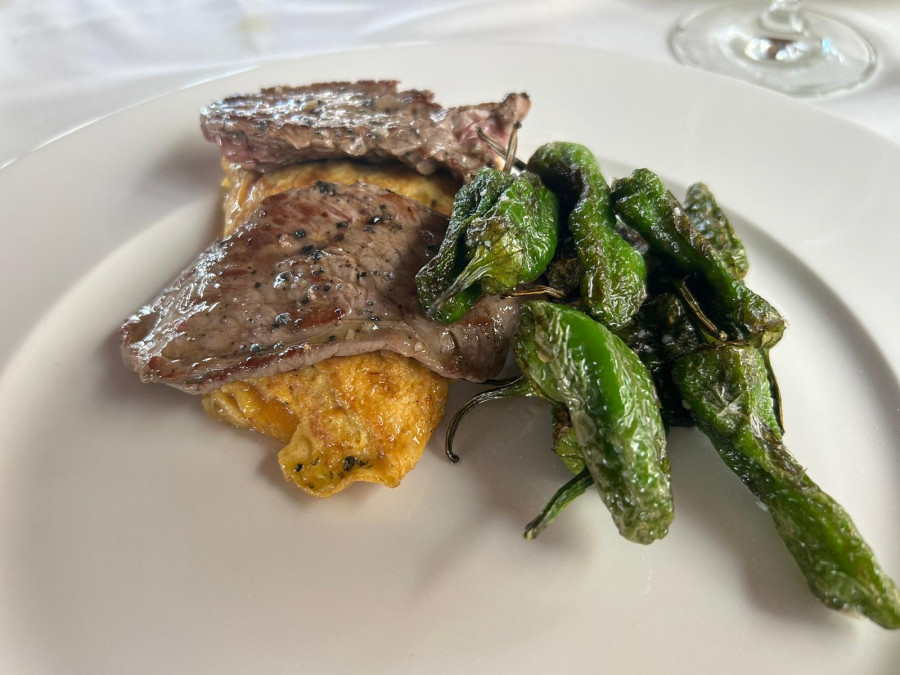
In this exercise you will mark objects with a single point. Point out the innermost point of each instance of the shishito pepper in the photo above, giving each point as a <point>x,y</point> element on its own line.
<point>613,274</point>
<point>472,201</point>
<point>729,394</point>
<point>576,362</point>
<point>643,203</point>
<point>503,232</point>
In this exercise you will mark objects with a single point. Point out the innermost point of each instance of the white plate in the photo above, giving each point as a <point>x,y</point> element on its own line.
<point>139,536</point>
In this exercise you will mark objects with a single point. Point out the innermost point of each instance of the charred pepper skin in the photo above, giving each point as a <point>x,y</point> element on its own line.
<point>643,203</point>
<point>728,390</point>
<point>503,232</point>
<point>660,334</point>
<point>704,213</point>
<point>613,274</point>
<point>575,361</point>
<point>515,242</point>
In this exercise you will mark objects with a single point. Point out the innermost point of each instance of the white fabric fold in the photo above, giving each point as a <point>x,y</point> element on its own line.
<point>66,62</point>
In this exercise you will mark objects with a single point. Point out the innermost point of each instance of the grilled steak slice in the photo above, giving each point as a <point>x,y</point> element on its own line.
<point>367,119</point>
<point>318,272</point>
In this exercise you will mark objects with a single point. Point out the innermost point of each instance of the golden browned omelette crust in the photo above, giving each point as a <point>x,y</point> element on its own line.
<point>345,419</point>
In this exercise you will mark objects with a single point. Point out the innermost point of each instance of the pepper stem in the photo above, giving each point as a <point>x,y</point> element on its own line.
<point>568,492</point>
<point>706,323</point>
<point>500,150</point>
<point>519,386</point>
<point>536,290</point>
<point>509,157</point>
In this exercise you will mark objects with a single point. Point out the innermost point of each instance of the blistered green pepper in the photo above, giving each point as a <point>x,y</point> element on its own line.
<point>642,202</point>
<point>577,362</point>
<point>728,391</point>
<point>613,274</point>
<point>704,213</point>
<point>472,201</point>
<point>503,232</point>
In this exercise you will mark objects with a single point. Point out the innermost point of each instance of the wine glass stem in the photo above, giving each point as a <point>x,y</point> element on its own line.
<point>784,17</point>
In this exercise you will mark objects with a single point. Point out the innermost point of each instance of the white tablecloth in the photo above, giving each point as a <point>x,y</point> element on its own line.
<point>66,62</point>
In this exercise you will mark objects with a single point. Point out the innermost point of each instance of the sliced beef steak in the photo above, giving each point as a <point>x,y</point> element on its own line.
<point>319,272</point>
<point>367,119</point>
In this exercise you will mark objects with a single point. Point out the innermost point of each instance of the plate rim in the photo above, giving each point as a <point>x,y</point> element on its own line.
<point>283,62</point>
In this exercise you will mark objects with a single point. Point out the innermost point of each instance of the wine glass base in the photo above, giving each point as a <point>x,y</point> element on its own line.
<point>819,57</point>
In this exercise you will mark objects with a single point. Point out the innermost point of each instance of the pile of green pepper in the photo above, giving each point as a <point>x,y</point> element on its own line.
<point>649,325</point>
